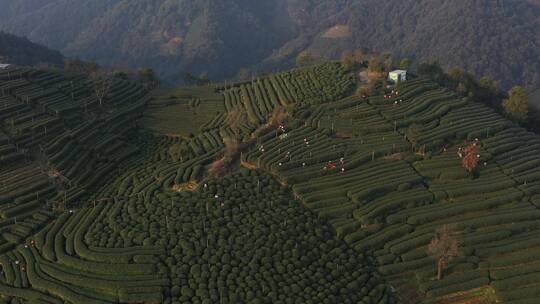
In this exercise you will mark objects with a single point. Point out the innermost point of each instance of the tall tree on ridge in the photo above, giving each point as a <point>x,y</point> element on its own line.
<point>517,104</point>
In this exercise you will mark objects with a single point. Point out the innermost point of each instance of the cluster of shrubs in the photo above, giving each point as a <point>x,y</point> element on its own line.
<point>242,239</point>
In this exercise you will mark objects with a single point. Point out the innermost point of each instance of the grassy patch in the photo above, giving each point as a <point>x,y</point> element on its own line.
<point>182,111</point>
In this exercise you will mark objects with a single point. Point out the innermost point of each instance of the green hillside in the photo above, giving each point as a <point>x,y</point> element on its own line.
<point>115,204</point>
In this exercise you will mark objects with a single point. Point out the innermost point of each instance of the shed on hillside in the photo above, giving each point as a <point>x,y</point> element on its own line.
<point>4,66</point>
<point>397,76</point>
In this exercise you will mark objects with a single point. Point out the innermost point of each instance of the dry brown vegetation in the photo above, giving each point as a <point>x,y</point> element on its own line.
<point>363,91</point>
<point>471,157</point>
<point>218,167</point>
<point>481,295</point>
<point>189,186</point>
<point>236,117</point>
<point>249,165</point>
<point>395,156</point>
<point>337,31</point>
<point>280,116</point>
<point>231,147</point>
<point>224,165</point>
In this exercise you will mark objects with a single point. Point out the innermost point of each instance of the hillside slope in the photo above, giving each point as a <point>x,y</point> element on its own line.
<point>95,208</point>
<point>385,174</point>
<point>499,38</point>
<point>21,51</point>
<point>337,204</point>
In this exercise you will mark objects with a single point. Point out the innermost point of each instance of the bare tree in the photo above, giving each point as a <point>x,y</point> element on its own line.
<point>236,118</point>
<point>444,247</point>
<point>101,83</point>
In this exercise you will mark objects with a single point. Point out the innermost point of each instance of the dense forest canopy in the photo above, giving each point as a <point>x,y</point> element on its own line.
<point>496,38</point>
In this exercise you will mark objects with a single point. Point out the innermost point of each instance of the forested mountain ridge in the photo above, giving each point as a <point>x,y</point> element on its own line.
<point>497,38</point>
<point>21,51</point>
<point>171,36</point>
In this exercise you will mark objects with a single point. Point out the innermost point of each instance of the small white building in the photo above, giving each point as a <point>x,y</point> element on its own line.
<point>397,76</point>
<point>5,66</point>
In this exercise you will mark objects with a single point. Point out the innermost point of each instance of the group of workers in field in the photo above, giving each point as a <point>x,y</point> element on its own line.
<point>334,165</point>
<point>394,94</point>
<point>471,148</point>
<point>331,165</point>
<point>340,165</point>
<point>18,263</point>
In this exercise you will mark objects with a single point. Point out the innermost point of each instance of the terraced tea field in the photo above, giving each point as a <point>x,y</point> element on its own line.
<point>337,205</point>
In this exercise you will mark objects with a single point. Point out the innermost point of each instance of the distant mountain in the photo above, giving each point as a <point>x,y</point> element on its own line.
<point>500,38</point>
<point>20,51</point>
<point>213,36</point>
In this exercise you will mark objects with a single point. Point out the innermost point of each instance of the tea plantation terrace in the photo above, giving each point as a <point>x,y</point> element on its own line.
<point>337,205</point>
